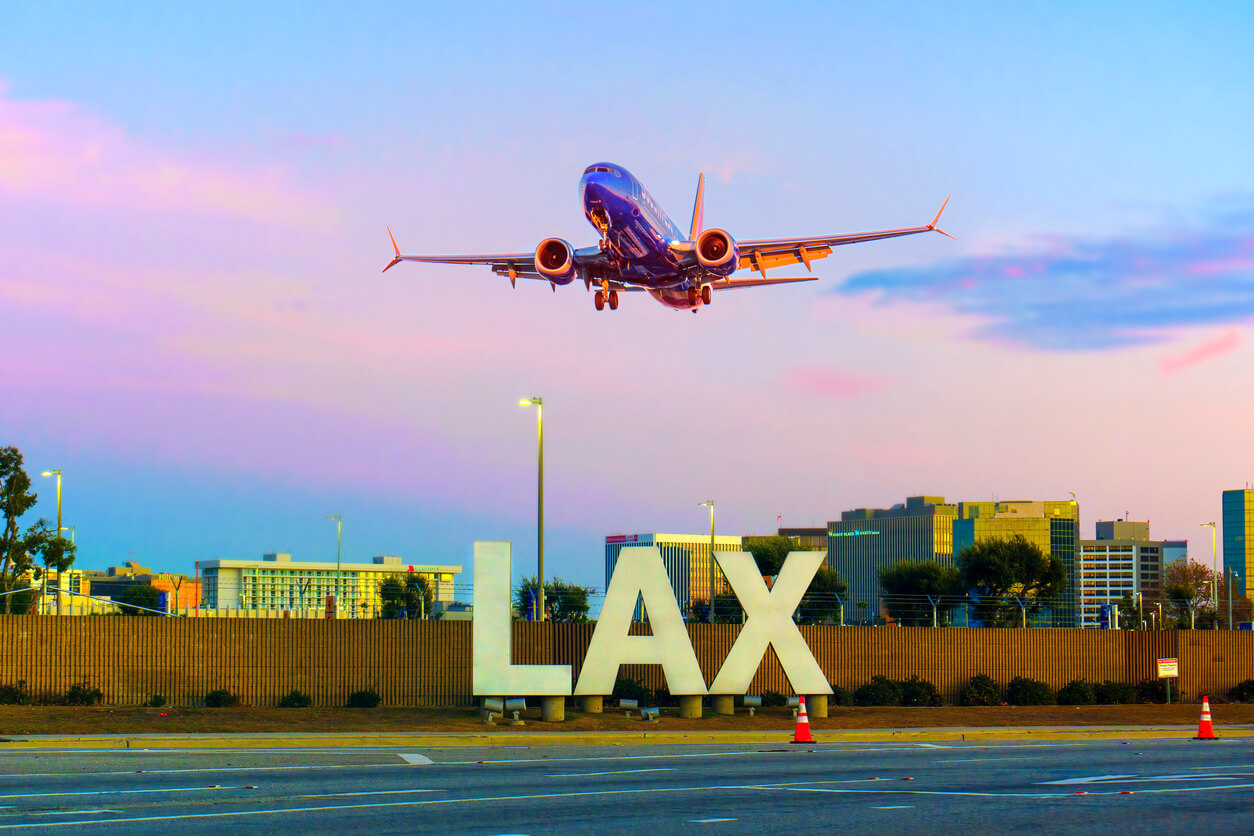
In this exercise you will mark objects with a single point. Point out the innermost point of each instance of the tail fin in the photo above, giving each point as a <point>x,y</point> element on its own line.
<point>698,210</point>
<point>397,260</point>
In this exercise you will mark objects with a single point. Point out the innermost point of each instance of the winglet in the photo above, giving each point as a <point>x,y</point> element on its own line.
<point>698,209</point>
<point>396,250</point>
<point>932,226</point>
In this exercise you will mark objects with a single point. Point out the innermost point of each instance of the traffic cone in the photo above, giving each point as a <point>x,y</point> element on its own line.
<point>802,734</point>
<point>1205,731</point>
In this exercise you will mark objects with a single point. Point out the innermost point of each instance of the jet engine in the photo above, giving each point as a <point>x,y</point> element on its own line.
<point>717,253</point>
<point>555,260</point>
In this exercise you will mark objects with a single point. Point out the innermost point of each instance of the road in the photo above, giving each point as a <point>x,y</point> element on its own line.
<point>1092,787</point>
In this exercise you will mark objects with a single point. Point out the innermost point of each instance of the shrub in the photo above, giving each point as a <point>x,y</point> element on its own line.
<point>840,696</point>
<point>221,698</point>
<point>1114,693</point>
<point>1077,692</point>
<point>1243,691</point>
<point>770,699</point>
<point>981,690</point>
<point>82,693</point>
<point>915,691</point>
<point>1151,690</point>
<point>15,694</point>
<point>155,701</point>
<point>296,699</point>
<point>879,691</point>
<point>1025,691</point>
<point>630,689</point>
<point>662,697</point>
<point>364,699</point>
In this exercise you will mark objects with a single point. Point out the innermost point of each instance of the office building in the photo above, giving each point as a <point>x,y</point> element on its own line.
<point>176,592</point>
<point>276,582</point>
<point>1123,560</point>
<point>1238,538</point>
<point>687,561</point>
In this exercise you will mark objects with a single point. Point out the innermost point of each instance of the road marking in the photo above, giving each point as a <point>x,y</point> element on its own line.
<point>626,757</point>
<point>25,775</point>
<point>612,772</point>
<point>1088,779</point>
<point>979,760</point>
<point>371,792</point>
<point>71,812</point>
<point>708,821</point>
<point>895,807</point>
<point>111,792</point>
<point>415,760</point>
<point>1141,779</point>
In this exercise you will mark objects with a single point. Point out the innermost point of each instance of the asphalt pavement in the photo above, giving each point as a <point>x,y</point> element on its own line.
<point>1095,786</point>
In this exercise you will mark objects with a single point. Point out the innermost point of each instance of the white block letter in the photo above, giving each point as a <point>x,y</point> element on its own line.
<point>640,573</point>
<point>493,675</point>
<point>768,621</point>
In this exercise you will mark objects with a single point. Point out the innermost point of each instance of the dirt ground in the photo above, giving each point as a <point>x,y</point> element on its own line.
<point>115,720</point>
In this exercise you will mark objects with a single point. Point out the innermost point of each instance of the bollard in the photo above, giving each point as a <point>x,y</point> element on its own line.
<point>816,705</point>
<point>552,709</point>
<point>690,707</point>
<point>592,705</point>
<point>723,704</point>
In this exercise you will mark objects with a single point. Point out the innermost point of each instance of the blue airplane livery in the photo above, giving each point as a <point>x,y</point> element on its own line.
<point>641,249</point>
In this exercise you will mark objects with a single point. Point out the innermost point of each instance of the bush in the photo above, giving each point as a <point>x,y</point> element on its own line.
<point>155,701</point>
<point>1114,693</point>
<point>82,693</point>
<point>221,698</point>
<point>296,699</point>
<point>770,699</point>
<point>879,691</point>
<point>981,690</point>
<point>1025,691</point>
<point>364,699</point>
<point>662,697</point>
<point>15,694</point>
<point>630,689</point>
<point>1077,692</point>
<point>840,696</point>
<point>1151,690</point>
<point>915,691</point>
<point>1242,691</point>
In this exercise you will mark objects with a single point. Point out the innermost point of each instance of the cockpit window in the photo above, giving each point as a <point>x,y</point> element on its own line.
<point>593,168</point>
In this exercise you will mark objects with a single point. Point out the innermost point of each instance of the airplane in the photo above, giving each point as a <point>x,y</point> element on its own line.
<point>641,249</point>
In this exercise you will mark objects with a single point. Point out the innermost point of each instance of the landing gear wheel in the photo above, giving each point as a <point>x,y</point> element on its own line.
<point>613,300</point>
<point>705,294</point>
<point>692,297</point>
<point>599,300</point>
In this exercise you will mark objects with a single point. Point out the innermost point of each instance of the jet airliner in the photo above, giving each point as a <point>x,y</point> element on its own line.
<point>641,249</point>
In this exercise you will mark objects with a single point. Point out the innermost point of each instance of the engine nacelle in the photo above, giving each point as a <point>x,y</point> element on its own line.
<point>717,252</point>
<point>555,260</point>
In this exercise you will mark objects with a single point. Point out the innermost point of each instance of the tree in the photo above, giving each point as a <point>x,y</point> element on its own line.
<point>1001,573</point>
<point>769,552</point>
<point>1187,586</point>
<point>140,595</point>
<point>822,602</point>
<point>563,601</point>
<point>908,585</point>
<point>406,596</point>
<point>20,551</point>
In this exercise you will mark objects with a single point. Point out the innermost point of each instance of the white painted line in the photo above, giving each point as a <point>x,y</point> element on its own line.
<point>627,757</point>
<point>612,772</point>
<point>981,760</point>
<point>415,759</point>
<point>25,775</point>
<point>112,792</point>
<point>371,792</point>
<point>1088,779</point>
<point>1141,779</point>
<point>71,812</point>
<point>708,821</point>
<point>895,807</point>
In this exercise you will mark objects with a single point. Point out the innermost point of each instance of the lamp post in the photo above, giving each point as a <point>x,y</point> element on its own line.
<point>710,503</point>
<point>1214,567</point>
<point>70,529</point>
<point>538,403</point>
<point>57,473</point>
<point>339,533</point>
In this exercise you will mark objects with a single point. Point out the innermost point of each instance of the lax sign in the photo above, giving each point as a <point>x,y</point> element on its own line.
<point>640,574</point>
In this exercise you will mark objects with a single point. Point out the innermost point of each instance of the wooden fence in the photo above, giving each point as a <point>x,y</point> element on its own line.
<point>426,663</point>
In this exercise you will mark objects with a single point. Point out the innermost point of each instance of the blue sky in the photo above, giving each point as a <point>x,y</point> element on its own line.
<point>196,331</point>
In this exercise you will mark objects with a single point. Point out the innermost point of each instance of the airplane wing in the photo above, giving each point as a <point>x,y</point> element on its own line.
<point>765,253</point>
<point>513,265</point>
<point>734,284</point>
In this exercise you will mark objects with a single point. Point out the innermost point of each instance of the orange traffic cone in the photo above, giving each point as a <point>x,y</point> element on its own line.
<point>1205,731</point>
<point>802,734</point>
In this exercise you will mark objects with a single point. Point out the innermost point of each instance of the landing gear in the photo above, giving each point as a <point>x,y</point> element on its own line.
<point>602,297</point>
<point>692,297</point>
<point>599,300</point>
<point>613,300</point>
<point>705,294</point>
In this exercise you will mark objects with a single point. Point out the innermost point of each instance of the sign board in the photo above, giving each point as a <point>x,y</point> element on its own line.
<point>1168,668</point>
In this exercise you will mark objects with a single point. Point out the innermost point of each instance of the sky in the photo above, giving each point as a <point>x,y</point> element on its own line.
<point>195,330</point>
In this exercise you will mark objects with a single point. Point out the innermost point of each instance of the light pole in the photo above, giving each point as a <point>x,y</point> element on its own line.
<point>710,503</point>
<point>538,403</point>
<point>57,473</point>
<point>1232,574</point>
<point>1214,567</point>
<point>339,533</point>
<point>70,529</point>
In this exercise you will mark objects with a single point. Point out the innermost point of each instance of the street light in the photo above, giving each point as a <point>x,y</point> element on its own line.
<point>57,473</point>
<point>538,403</point>
<point>339,533</point>
<point>1214,567</point>
<point>70,529</point>
<point>710,503</point>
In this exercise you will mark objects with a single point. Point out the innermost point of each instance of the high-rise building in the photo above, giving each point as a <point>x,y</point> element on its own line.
<point>1122,560</point>
<point>687,561</point>
<point>1238,537</point>
<point>865,540</point>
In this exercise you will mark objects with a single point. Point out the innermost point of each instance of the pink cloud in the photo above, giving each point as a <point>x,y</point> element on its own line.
<point>833,384</point>
<point>1225,343</point>
<point>55,152</point>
